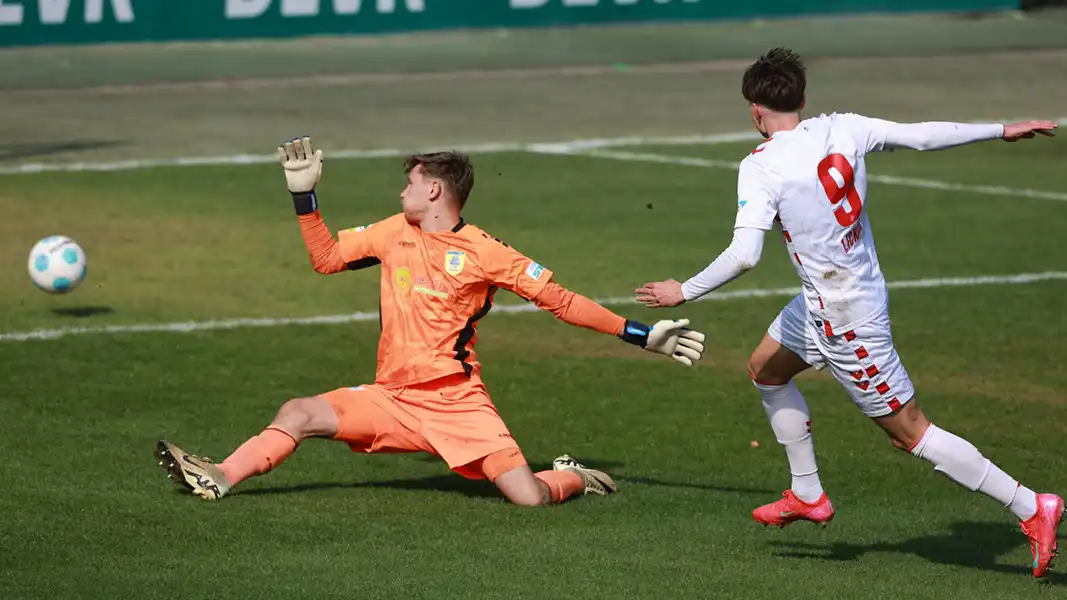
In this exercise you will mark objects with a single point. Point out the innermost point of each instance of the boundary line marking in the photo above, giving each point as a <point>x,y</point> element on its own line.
<point>461,75</point>
<point>496,74</point>
<point>568,147</point>
<point>215,324</point>
<point>929,184</point>
<point>479,148</point>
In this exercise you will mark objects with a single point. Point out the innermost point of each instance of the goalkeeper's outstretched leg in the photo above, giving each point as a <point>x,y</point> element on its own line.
<point>368,419</point>
<point>296,421</point>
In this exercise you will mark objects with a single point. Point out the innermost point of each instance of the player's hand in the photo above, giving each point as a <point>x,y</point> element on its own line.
<point>676,340</point>
<point>660,294</point>
<point>302,164</point>
<point>1014,132</point>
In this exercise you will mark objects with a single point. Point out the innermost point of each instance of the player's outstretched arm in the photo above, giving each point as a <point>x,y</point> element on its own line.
<point>887,135</point>
<point>742,255</point>
<point>303,169</point>
<point>667,337</point>
<point>757,209</point>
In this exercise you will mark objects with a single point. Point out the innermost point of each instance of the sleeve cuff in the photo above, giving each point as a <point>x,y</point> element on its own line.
<point>687,291</point>
<point>305,203</point>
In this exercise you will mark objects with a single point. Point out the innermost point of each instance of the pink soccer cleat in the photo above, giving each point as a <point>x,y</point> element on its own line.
<point>1041,528</point>
<point>790,508</point>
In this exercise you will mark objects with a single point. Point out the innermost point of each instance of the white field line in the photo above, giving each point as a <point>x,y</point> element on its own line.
<point>483,148</point>
<point>521,73</point>
<point>569,147</point>
<point>388,77</point>
<point>930,184</point>
<point>190,326</point>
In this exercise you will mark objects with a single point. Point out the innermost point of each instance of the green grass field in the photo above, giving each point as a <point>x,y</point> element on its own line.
<point>88,514</point>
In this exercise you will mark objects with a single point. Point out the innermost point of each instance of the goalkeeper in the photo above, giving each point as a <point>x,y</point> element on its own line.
<point>438,278</point>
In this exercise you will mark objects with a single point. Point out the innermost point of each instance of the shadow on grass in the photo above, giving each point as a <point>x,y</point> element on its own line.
<point>450,482</point>
<point>32,150</point>
<point>711,487</point>
<point>83,311</point>
<point>483,489</point>
<point>433,483</point>
<point>969,544</point>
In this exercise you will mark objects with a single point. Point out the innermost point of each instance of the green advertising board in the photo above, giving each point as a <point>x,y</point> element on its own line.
<point>35,22</point>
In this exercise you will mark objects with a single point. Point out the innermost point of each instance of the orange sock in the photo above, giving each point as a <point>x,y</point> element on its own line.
<point>562,484</point>
<point>258,455</point>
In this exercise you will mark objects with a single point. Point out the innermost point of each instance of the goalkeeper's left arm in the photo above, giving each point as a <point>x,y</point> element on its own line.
<point>668,337</point>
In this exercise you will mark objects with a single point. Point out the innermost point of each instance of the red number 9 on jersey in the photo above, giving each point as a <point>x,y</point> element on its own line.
<point>848,213</point>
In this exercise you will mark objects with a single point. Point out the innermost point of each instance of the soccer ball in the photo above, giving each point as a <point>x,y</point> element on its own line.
<point>57,264</point>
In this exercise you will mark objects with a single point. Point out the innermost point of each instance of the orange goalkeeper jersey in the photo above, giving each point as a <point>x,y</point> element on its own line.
<point>434,289</point>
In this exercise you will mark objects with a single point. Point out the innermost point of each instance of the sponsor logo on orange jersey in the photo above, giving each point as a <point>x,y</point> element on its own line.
<point>435,287</point>
<point>534,271</point>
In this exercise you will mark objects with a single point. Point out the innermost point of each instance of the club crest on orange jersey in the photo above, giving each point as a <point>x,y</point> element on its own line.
<point>455,260</point>
<point>402,276</point>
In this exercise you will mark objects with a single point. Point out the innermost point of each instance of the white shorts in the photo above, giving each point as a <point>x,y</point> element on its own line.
<point>863,360</point>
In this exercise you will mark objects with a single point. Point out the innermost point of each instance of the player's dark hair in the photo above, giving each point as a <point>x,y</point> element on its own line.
<point>453,168</point>
<point>776,80</point>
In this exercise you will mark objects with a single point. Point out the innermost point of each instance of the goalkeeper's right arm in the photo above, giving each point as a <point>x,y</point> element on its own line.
<point>303,169</point>
<point>324,251</point>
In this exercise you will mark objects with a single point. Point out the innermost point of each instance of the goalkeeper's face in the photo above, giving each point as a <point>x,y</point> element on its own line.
<point>418,197</point>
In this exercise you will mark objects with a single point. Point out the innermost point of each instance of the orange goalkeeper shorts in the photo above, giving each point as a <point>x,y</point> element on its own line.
<point>452,417</point>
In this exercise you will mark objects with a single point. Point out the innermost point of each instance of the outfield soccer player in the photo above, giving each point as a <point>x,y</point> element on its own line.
<point>810,177</point>
<point>438,278</point>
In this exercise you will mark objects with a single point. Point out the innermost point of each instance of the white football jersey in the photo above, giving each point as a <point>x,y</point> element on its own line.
<point>813,180</point>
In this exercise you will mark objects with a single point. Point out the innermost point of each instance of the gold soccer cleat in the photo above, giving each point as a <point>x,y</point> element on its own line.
<point>596,482</point>
<point>198,475</point>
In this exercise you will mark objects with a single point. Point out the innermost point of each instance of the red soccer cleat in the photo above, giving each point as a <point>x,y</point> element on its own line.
<point>1041,528</point>
<point>790,508</point>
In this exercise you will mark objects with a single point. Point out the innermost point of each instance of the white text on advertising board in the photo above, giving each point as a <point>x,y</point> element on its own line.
<point>57,12</point>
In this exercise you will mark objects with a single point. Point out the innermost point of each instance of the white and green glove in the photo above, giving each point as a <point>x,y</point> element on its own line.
<point>303,169</point>
<point>671,338</point>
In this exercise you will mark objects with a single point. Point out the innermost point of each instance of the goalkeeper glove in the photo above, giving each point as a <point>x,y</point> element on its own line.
<point>303,169</point>
<point>672,338</point>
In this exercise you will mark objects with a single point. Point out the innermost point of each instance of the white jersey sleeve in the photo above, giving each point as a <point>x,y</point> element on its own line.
<point>757,199</point>
<point>876,135</point>
<point>742,254</point>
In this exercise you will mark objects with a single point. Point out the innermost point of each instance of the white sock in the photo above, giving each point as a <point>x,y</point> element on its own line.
<point>963,463</point>
<point>1024,504</point>
<point>791,422</point>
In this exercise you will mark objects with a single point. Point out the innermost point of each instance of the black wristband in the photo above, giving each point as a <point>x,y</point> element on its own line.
<point>305,202</point>
<point>635,333</point>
